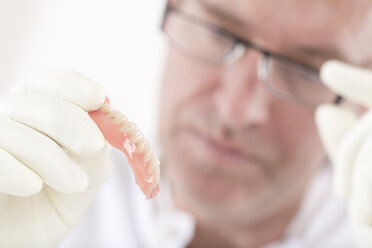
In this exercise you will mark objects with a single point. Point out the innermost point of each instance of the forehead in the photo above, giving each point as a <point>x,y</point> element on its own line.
<point>329,28</point>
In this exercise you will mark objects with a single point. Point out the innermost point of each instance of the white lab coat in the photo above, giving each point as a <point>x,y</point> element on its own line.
<point>121,217</point>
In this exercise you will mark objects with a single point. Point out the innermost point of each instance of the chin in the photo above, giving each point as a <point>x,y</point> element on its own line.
<point>213,197</point>
<point>209,188</point>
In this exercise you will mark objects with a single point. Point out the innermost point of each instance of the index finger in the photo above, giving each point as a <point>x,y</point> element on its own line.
<point>69,85</point>
<point>353,83</point>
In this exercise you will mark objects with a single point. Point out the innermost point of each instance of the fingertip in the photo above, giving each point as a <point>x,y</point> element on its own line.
<point>16,178</point>
<point>324,116</point>
<point>83,183</point>
<point>68,177</point>
<point>32,186</point>
<point>92,144</point>
<point>67,84</point>
<point>90,95</point>
<point>23,184</point>
<point>98,97</point>
<point>333,122</point>
<point>349,81</point>
<point>329,72</point>
<point>78,182</point>
<point>328,116</point>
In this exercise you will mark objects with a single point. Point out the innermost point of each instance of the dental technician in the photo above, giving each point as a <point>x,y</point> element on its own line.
<point>252,92</point>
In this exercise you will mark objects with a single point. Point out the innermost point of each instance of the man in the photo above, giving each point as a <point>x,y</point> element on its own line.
<point>242,162</point>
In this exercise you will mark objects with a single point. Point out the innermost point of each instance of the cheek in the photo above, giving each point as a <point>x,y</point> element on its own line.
<point>299,136</point>
<point>186,76</point>
<point>184,82</point>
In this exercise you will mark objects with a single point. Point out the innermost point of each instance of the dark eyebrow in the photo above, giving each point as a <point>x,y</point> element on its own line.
<point>323,52</point>
<point>217,11</point>
<point>316,55</point>
<point>327,52</point>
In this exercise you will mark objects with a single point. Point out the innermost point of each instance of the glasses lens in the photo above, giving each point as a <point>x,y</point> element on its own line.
<point>195,39</point>
<point>293,82</point>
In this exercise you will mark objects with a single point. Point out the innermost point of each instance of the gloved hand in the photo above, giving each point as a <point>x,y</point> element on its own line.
<point>53,157</point>
<point>347,138</point>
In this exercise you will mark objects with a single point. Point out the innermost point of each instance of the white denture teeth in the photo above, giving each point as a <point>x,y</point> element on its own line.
<point>137,137</point>
<point>114,114</point>
<point>105,108</point>
<point>141,145</point>
<point>122,123</point>
<point>156,178</point>
<point>156,174</point>
<point>118,119</point>
<point>117,116</point>
<point>123,130</point>
<point>151,168</point>
<point>148,156</point>
<point>126,125</point>
<point>157,162</point>
<point>144,146</point>
<point>126,137</point>
<point>131,129</point>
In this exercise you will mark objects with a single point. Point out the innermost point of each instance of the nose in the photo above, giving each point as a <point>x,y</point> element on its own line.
<point>241,99</point>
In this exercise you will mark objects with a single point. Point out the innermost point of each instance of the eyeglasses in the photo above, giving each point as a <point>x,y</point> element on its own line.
<point>284,78</point>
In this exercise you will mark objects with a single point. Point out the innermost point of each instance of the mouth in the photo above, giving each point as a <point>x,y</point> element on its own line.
<point>212,164</point>
<point>223,151</point>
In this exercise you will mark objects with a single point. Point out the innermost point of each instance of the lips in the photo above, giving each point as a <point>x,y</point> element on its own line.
<point>224,150</point>
<point>227,148</point>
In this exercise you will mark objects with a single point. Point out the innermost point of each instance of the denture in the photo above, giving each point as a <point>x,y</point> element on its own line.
<point>125,136</point>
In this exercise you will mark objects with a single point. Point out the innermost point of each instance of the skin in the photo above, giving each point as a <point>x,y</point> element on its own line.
<point>243,198</point>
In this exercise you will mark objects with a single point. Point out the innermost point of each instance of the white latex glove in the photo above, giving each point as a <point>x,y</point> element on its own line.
<point>53,157</point>
<point>348,141</point>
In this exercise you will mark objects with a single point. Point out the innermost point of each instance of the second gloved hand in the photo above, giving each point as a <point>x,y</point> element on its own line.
<point>53,157</point>
<point>347,138</point>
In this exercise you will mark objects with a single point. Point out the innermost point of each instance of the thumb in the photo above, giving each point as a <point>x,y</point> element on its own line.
<point>333,122</point>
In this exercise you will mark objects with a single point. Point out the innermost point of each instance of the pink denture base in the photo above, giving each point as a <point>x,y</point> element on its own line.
<point>121,141</point>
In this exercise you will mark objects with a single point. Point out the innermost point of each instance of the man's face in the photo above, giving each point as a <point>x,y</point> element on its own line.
<point>231,150</point>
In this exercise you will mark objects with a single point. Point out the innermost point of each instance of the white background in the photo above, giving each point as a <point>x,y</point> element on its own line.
<point>115,42</point>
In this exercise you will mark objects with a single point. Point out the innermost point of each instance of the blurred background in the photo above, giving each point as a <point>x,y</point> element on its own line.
<point>115,42</point>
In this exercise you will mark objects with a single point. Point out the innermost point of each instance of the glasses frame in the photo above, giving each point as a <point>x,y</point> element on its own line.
<point>267,55</point>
